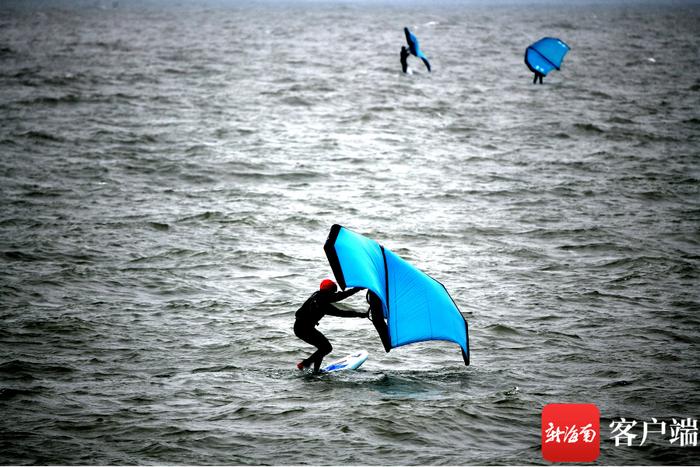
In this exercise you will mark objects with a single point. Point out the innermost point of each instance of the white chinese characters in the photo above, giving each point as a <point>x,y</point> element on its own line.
<point>683,431</point>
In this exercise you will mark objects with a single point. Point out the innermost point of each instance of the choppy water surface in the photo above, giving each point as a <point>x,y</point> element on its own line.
<point>168,177</point>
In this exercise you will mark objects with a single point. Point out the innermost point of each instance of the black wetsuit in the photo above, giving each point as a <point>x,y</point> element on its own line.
<point>404,55</point>
<point>314,308</point>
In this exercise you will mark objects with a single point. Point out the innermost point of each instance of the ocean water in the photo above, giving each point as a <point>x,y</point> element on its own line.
<point>169,174</point>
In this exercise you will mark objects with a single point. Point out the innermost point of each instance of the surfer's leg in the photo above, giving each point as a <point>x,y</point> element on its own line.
<point>304,333</point>
<point>313,336</point>
<point>324,348</point>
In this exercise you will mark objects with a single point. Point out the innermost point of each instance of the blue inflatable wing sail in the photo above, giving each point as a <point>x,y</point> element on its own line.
<point>414,47</point>
<point>414,306</point>
<point>545,55</point>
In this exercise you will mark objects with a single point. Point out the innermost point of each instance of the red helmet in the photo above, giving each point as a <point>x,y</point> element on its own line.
<point>327,284</point>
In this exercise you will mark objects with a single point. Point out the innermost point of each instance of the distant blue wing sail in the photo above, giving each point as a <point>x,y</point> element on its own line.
<point>546,55</point>
<point>414,47</point>
<point>416,307</point>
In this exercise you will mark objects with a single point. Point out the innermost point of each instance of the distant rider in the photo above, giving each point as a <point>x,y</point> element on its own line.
<point>314,308</point>
<point>404,56</point>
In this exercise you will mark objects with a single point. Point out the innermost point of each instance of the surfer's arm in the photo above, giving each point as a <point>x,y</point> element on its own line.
<point>334,311</point>
<point>338,296</point>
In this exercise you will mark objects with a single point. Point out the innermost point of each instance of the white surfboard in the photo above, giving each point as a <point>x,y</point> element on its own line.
<point>350,362</point>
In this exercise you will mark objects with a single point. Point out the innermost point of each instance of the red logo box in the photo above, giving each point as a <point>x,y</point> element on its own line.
<point>570,432</point>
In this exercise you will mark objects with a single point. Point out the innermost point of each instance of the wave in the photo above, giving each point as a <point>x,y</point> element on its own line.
<point>204,216</point>
<point>502,330</point>
<point>297,101</point>
<point>51,100</point>
<point>21,256</point>
<point>597,246</point>
<point>160,226</point>
<point>108,46</point>
<point>7,394</point>
<point>41,136</point>
<point>588,128</point>
<point>26,370</point>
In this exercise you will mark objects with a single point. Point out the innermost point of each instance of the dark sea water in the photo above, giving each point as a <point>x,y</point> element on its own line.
<point>169,174</point>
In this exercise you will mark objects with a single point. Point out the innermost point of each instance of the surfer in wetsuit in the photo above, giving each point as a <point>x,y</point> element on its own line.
<point>319,304</point>
<point>404,55</point>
